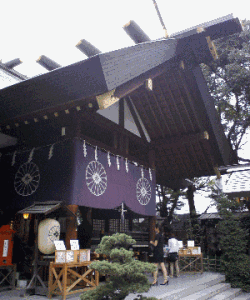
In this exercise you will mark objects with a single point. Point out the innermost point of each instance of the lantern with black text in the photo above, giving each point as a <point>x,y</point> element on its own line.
<point>6,245</point>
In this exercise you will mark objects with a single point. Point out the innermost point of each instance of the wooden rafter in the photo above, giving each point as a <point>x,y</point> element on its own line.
<point>173,103</point>
<point>160,111</point>
<point>181,140</point>
<point>153,113</point>
<point>167,111</point>
<point>140,107</point>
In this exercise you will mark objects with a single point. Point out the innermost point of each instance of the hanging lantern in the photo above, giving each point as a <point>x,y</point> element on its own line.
<point>26,216</point>
<point>48,232</point>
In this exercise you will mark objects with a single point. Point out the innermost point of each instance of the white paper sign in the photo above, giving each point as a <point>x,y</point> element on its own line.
<point>180,244</point>
<point>5,248</point>
<point>70,256</point>
<point>190,243</point>
<point>74,244</point>
<point>59,245</point>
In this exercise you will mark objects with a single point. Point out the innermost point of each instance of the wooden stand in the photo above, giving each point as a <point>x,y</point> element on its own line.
<point>7,274</point>
<point>70,278</point>
<point>191,263</point>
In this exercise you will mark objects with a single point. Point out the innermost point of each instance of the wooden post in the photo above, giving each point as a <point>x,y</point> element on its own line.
<point>71,231</point>
<point>152,222</point>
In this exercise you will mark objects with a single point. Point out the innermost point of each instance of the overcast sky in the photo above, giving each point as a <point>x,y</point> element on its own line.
<point>53,28</point>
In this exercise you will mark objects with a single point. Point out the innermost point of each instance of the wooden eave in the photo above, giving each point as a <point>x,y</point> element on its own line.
<point>176,113</point>
<point>183,126</point>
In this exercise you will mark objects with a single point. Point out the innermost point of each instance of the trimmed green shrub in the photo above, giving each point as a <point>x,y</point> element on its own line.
<point>124,274</point>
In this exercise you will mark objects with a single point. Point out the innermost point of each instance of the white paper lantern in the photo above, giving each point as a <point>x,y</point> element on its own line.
<point>48,232</point>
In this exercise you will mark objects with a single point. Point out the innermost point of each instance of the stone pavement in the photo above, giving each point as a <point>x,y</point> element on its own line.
<point>184,281</point>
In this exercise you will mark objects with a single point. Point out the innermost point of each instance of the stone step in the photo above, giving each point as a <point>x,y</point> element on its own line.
<point>228,294</point>
<point>209,292</point>
<point>243,296</point>
<point>183,290</point>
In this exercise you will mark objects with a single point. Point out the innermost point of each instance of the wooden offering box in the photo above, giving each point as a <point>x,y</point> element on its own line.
<point>6,244</point>
<point>72,256</point>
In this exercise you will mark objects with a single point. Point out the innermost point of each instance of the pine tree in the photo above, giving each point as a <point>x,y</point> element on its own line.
<point>233,243</point>
<point>124,275</point>
<point>228,80</point>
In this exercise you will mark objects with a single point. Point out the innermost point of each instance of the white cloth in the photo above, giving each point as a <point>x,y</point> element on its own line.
<point>173,245</point>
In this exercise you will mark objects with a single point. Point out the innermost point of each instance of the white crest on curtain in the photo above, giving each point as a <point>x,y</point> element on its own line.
<point>117,163</point>
<point>84,149</point>
<point>109,161</point>
<point>31,155</point>
<point>143,191</point>
<point>13,159</point>
<point>51,151</point>
<point>126,164</point>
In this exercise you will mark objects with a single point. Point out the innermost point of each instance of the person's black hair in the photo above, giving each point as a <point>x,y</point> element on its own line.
<point>158,227</point>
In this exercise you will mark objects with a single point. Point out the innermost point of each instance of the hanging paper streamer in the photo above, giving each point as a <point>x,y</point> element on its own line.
<point>51,151</point>
<point>13,159</point>
<point>142,173</point>
<point>117,163</point>
<point>84,149</point>
<point>31,155</point>
<point>109,161</point>
<point>126,164</point>
<point>96,158</point>
<point>150,174</point>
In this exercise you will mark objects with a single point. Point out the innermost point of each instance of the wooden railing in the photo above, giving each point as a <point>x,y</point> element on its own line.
<point>211,263</point>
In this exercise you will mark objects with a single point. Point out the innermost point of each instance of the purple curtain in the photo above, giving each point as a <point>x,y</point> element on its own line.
<point>62,172</point>
<point>98,185</point>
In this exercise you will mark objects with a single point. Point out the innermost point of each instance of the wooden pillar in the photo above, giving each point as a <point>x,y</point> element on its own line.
<point>71,230</point>
<point>115,140</point>
<point>152,222</point>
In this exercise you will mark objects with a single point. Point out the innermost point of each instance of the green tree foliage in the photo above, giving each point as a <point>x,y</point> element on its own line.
<point>228,80</point>
<point>169,202</point>
<point>233,243</point>
<point>124,274</point>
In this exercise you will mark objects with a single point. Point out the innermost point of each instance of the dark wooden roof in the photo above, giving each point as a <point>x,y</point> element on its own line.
<point>238,184</point>
<point>179,114</point>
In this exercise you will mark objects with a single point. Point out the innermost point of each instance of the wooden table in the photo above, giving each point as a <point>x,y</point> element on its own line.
<point>70,278</point>
<point>7,275</point>
<point>191,262</point>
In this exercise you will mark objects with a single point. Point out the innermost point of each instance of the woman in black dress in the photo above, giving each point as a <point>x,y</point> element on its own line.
<point>158,256</point>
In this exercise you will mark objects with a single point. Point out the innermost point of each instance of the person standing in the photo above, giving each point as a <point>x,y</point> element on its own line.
<point>173,246</point>
<point>158,256</point>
